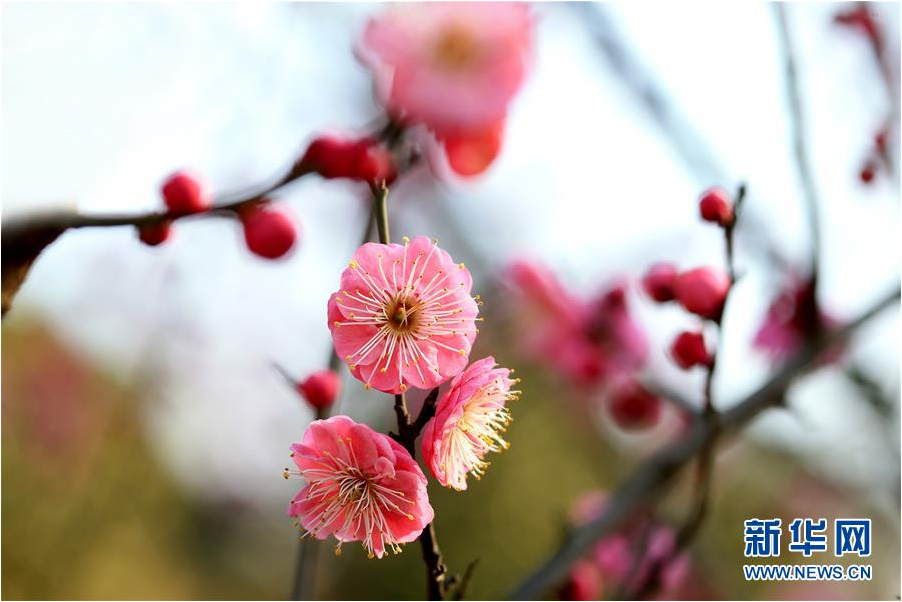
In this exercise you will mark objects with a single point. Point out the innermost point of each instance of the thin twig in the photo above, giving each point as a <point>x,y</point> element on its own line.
<point>705,466</point>
<point>799,136</point>
<point>654,476</point>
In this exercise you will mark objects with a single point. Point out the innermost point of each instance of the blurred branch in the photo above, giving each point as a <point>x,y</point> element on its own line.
<point>688,143</point>
<point>461,592</point>
<point>800,148</point>
<point>654,476</point>
<point>705,467</point>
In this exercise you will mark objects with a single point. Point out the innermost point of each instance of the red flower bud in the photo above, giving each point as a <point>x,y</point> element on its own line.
<point>659,282</point>
<point>365,159</point>
<point>880,140</point>
<point>716,206</point>
<point>703,291</point>
<point>633,407</point>
<point>689,350</point>
<point>155,234</point>
<point>184,195</point>
<point>321,388</point>
<point>866,175</point>
<point>268,231</point>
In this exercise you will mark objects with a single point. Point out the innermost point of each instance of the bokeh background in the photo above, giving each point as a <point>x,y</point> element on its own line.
<point>144,428</point>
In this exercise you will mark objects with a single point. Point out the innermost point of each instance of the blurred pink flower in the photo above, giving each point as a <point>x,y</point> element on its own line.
<point>583,583</point>
<point>466,152</point>
<point>793,319</point>
<point>454,66</point>
<point>615,556</point>
<point>703,291</point>
<point>588,342</point>
<point>588,507</point>
<point>468,423</point>
<point>632,407</point>
<point>403,315</point>
<point>360,486</point>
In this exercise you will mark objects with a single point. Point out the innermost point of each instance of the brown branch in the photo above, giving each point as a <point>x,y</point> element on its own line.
<point>26,237</point>
<point>464,585</point>
<point>654,476</point>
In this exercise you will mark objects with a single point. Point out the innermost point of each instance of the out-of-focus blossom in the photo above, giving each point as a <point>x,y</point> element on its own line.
<point>583,583</point>
<point>632,406</point>
<point>360,486</point>
<point>703,291</point>
<point>715,205</point>
<point>469,419</point>
<point>616,557</point>
<point>588,507</point>
<point>321,388</point>
<point>860,17</point>
<point>793,319</point>
<point>689,350</point>
<point>587,341</point>
<point>659,282</point>
<point>454,67</point>
<point>269,232</point>
<point>403,315</point>
<point>184,194</point>
<point>467,153</point>
<point>155,234</point>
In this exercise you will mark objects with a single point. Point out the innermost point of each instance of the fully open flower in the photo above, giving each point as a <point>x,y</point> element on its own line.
<point>403,315</point>
<point>360,486</point>
<point>469,419</point>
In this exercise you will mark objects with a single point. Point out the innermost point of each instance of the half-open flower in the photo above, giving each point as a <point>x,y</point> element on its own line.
<point>469,420</point>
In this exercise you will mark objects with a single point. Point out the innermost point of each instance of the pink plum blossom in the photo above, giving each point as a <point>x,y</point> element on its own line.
<point>615,557</point>
<point>468,422</point>
<point>403,315</point>
<point>583,583</point>
<point>792,319</point>
<point>587,341</point>
<point>360,486</point>
<point>454,66</point>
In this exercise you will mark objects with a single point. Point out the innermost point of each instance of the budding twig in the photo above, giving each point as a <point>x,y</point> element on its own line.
<point>654,476</point>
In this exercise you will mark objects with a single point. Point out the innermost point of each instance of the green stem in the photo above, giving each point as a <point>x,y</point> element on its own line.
<point>380,212</point>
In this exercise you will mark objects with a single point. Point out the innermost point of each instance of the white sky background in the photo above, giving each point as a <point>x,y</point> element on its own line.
<point>102,101</point>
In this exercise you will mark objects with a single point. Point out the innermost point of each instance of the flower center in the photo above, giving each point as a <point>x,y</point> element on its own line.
<point>456,49</point>
<point>402,314</point>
